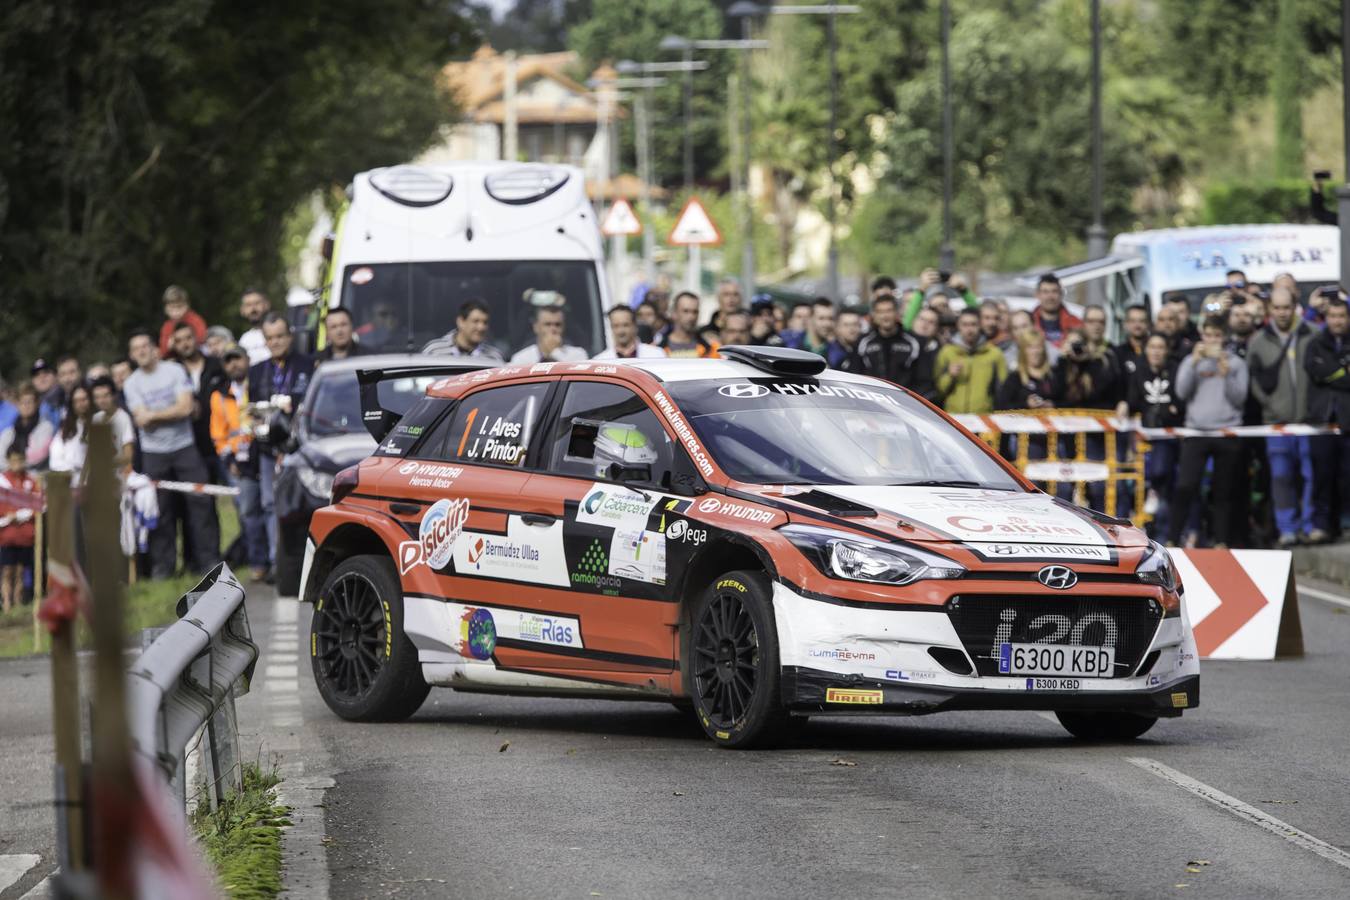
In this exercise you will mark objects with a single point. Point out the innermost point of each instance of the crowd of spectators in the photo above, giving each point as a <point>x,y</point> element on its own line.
<point>179,406</point>
<point>181,401</point>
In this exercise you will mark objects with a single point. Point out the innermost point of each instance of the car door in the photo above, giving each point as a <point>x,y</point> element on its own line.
<point>619,561</point>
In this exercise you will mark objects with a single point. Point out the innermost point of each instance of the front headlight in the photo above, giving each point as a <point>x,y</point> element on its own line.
<point>1157,568</point>
<point>320,484</point>
<point>855,558</point>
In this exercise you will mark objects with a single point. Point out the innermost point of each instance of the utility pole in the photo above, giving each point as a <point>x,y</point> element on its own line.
<point>1096,234</point>
<point>510,128</point>
<point>688,118</point>
<point>746,10</point>
<point>1343,192</point>
<point>947,252</point>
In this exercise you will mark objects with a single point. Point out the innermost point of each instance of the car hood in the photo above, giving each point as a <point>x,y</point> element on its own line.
<point>336,452</point>
<point>1005,525</point>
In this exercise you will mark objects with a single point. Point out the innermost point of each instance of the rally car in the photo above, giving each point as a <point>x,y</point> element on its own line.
<point>754,538</point>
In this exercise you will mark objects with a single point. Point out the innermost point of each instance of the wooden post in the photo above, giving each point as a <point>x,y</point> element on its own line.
<point>60,535</point>
<point>113,784</point>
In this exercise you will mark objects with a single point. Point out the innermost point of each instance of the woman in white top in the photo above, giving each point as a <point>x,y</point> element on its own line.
<point>71,443</point>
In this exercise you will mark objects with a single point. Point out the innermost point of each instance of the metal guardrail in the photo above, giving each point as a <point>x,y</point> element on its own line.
<point>188,678</point>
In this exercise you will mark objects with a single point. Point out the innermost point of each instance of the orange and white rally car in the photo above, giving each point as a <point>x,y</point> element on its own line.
<point>754,537</point>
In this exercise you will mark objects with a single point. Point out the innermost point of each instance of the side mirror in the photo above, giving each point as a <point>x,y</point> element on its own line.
<point>624,474</point>
<point>682,479</point>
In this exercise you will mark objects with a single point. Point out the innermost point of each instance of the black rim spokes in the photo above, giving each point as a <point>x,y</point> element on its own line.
<point>726,660</point>
<point>349,636</point>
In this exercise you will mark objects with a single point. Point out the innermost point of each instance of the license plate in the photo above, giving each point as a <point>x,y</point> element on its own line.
<point>1052,659</point>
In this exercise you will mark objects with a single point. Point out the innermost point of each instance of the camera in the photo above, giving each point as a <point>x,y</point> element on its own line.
<point>1076,348</point>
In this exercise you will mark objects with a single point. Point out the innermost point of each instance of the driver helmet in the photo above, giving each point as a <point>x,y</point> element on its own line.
<point>622,444</point>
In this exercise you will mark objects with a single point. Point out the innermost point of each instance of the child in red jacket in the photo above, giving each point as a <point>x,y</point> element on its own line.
<point>17,531</point>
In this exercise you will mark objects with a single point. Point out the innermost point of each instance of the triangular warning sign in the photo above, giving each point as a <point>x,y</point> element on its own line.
<point>694,226</point>
<point>620,220</point>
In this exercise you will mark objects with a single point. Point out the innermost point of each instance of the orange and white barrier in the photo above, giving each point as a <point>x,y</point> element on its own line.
<point>1018,423</point>
<point>1242,603</point>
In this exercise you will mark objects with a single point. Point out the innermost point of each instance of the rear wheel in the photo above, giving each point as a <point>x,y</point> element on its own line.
<point>365,667</point>
<point>1105,726</point>
<point>733,668</point>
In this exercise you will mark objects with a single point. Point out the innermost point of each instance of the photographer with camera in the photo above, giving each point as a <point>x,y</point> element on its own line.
<point>1085,378</point>
<point>1212,382</point>
<point>1328,366</point>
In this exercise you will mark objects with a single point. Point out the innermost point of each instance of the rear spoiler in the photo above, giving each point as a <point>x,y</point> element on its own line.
<point>378,420</point>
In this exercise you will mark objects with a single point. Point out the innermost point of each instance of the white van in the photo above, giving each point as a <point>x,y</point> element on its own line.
<point>416,241</point>
<point>1145,267</point>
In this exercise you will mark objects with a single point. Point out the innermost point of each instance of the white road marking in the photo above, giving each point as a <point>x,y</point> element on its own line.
<point>291,672</point>
<point>41,891</point>
<point>1325,596</point>
<point>287,612</point>
<point>287,645</point>
<point>284,700</point>
<point>1243,811</point>
<point>14,866</point>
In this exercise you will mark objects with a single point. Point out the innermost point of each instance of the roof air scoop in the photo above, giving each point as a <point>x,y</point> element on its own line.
<point>524,184</point>
<point>412,185</point>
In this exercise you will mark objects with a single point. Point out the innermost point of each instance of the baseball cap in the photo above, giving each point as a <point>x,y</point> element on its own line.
<point>232,351</point>
<point>761,302</point>
<point>40,365</point>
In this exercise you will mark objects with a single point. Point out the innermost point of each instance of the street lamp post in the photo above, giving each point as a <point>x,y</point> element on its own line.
<point>829,10</point>
<point>1343,192</point>
<point>745,10</point>
<point>641,125</point>
<point>946,253</point>
<point>1096,233</point>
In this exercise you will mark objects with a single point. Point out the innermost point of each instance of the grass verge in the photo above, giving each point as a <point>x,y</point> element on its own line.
<point>242,838</point>
<point>148,603</point>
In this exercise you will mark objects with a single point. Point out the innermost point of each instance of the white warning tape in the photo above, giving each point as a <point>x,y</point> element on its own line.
<point>188,487</point>
<point>1016,423</point>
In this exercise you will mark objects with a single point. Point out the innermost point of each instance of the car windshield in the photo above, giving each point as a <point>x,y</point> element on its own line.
<point>334,403</point>
<point>399,307</point>
<point>821,431</point>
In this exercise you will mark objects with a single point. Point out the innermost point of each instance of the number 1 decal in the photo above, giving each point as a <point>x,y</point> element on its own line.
<point>468,427</point>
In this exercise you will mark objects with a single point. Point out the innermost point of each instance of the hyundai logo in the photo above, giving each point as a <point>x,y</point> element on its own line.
<point>1061,578</point>
<point>743,391</point>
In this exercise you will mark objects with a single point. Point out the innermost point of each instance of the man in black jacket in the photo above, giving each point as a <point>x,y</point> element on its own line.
<point>1329,404</point>
<point>282,380</point>
<point>887,351</point>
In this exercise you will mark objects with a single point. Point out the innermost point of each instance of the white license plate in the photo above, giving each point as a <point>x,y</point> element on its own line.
<point>1054,659</point>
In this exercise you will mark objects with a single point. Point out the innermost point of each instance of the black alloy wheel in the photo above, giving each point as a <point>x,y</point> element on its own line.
<point>365,667</point>
<point>349,635</point>
<point>734,677</point>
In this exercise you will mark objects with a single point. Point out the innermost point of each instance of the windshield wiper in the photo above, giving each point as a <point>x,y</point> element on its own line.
<point>939,483</point>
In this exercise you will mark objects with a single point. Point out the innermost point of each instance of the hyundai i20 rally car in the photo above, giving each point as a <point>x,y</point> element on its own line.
<point>754,537</point>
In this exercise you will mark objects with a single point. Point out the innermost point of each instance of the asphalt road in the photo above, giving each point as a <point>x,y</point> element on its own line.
<point>483,796</point>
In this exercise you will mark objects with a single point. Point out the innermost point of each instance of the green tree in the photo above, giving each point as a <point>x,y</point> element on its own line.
<point>621,29</point>
<point>150,142</point>
<point>1286,62</point>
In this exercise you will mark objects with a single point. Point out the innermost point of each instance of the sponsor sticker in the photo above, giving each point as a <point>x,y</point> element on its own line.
<point>684,433</point>
<point>638,554</point>
<point>436,536</point>
<point>843,654</point>
<point>909,675</point>
<point>429,475</point>
<point>681,531</point>
<point>525,553</point>
<point>734,510</point>
<point>614,507</point>
<point>549,630</point>
<point>593,570</point>
<point>743,391</point>
<point>477,633</point>
<point>855,697</point>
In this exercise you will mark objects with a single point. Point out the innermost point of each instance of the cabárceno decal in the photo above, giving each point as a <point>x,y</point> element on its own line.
<point>685,433</point>
<point>436,535</point>
<point>615,507</point>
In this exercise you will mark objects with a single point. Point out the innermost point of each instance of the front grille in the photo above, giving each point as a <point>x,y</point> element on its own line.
<point>984,622</point>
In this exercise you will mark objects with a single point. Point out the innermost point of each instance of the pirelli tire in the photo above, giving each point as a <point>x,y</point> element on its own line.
<point>365,667</point>
<point>1106,726</point>
<point>732,670</point>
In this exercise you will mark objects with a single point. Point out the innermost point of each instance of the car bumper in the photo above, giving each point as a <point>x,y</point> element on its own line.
<point>850,660</point>
<point>814,691</point>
